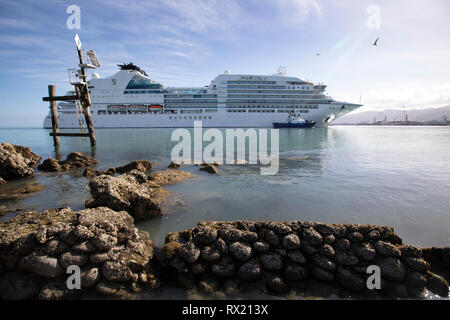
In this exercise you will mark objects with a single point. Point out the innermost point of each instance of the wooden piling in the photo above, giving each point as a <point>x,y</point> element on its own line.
<point>83,93</point>
<point>85,99</point>
<point>54,114</point>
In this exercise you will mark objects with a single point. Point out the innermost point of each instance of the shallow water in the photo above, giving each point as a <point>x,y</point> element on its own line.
<point>395,176</point>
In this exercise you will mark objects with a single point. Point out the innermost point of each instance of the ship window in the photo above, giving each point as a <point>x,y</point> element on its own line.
<point>140,82</point>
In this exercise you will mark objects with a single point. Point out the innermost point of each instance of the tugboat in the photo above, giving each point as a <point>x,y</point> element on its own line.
<point>294,121</point>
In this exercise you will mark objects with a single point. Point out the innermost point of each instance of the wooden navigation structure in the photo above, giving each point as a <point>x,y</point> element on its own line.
<point>81,91</point>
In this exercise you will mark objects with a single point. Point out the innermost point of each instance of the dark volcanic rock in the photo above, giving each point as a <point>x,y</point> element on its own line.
<point>50,164</point>
<point>272,238</point>
<point>206,235</point>
<point>327,251</point>
<point>230,234</point>
<point>387,249</point>
<point>437,284</point>
<point>210,254</point>
<point>276,283</point>
<point>140,165</point>
<point>249,271</point>
<point>297,256</point>
<point>16,161</point>
<point>324,263</point>
<point>116,272</point>
<point>318,259</point>
<point>410,251</point>
<point>131,192</point>
<point>73,258</point>
<point>18,286</point>
<point>342,244</point>
<point>294,272</point>
<point>224,268</point>
<point>74,160</point>
<point>349,279</point>
<point>272,262</point>
<point>241,250</point>
<point>261,246</point>
<point>291,241</point>
<point>41,264</point>
<point>417,264</point>
<point>174,165</point>
<point>355,237</point>
<point>416,279</point>
<point>324,229</point>
<point>313,237</point>
<point>391,268</point>
<point>323,275</point>
<point>329,239</point>
<point>364,251</point>
<point>42,245</point>
<point>89,173</point>
<point>249,236</point>
<point>170,176</point>
<point>439,259</point>
<point>346,259</point>
<point>189,252</point>
<point>210,168</point>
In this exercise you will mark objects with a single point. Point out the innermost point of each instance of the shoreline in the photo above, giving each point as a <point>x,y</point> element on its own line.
<point>216,259</point>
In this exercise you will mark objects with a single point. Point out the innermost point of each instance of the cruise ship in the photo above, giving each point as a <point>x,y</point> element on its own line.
<point>130,99</point>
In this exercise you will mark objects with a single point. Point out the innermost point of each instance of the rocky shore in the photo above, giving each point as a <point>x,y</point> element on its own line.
<point>216,259</point>
<point>74,160</point>
<point>132,192</point>
<point>115,257</point>
<point>16,162</point>
<point>140,195</point>
<point>219,259</point>
<point>226,258</point>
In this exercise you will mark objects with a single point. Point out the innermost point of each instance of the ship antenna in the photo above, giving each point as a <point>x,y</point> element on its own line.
<point>282,71</point>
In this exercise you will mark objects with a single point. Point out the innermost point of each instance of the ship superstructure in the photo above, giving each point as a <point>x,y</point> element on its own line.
<point>131,99</point>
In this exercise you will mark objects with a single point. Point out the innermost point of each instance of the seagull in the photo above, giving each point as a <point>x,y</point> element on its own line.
<point>317,54</point>
<point>376,42</point>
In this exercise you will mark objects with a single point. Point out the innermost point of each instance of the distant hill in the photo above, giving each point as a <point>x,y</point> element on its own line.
<point>420,115</point>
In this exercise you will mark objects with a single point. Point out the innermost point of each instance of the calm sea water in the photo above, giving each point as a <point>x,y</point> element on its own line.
<point>395,176</point>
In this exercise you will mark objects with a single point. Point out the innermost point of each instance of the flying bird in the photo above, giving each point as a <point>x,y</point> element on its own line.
<point>317,54</point>
<point>376,41</point>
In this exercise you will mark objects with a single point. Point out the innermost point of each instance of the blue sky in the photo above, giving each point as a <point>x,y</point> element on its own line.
<point>189,42</point>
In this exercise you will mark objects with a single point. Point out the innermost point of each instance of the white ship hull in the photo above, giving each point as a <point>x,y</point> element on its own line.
<point>220,119</point>
<point>130,99</point>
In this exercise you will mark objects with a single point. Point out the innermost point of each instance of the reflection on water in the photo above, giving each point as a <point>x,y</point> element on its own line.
<point>381,175</point>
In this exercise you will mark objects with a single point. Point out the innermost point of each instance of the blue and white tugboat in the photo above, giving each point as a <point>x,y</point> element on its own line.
<point>294,121</point>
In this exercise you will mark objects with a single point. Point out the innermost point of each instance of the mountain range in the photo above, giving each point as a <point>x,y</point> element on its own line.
<point>420,115</point>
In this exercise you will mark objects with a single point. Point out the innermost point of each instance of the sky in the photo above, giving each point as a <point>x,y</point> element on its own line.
<point>190,42</point>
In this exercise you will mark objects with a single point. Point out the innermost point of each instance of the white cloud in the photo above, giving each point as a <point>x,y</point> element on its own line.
<point>14,23</point>
<point>295,11</point>
<point>201,15</point>
<point>411,96</point>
